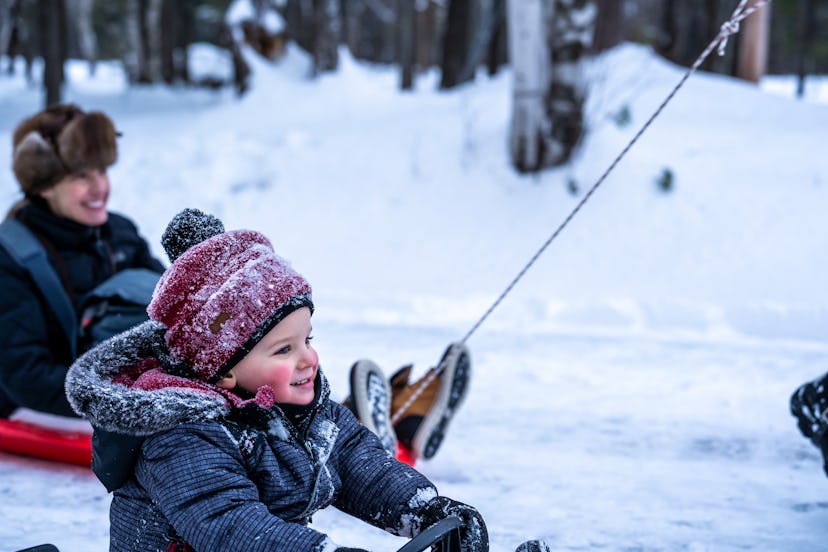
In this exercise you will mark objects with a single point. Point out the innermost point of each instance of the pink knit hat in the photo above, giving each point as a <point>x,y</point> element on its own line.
<point>222,294</point>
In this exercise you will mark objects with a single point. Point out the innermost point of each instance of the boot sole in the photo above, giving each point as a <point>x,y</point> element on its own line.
<point>433,428</point>
<point>367,384</point>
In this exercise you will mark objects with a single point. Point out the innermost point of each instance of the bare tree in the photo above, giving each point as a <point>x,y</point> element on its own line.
<point>548,41</point>
<point>7,10</point>
<point>609,25</point>
<point>406,24</point>
<point>491,21</point>
<point>572,24</point>
<point>134,59</point>
<point>326,35</point>
<point>530,67</point>
<point>152,43</point>
<point>79,29</point>
<point>52,27</point>
<point>456,42</point>
<point>807,30</point>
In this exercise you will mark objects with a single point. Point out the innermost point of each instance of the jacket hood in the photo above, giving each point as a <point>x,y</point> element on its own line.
<point>130,384</point>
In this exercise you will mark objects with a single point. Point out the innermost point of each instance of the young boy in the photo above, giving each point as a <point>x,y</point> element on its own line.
<point>242,443</point>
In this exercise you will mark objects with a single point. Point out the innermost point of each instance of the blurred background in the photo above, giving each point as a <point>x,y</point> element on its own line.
<point>157,40</point>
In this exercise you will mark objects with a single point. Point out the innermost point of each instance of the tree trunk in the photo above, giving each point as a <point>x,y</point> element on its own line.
<point>753,44</point>
<point>169,24</point>
<point>483,38</point>
<point>548,41</point>
<point>79,15</point>
<point>609,25</point>
<point>327,27</point>
<point>6,24</point>
<point>572,28</point>
<point>406,15</point>
<point>455,42</point>
<point>153,40</point>
<point>426,33</point>
<point>497,51</point>
<point>530,66</point>
<point>52,16</point>
<point>807,29</point>
<point>134,60</point>
<point>299,17</point>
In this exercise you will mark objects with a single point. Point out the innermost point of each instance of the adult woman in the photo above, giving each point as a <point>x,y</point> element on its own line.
<point>60,158</point>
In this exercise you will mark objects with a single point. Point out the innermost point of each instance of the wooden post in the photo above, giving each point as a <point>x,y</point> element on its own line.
<point>753,44</point>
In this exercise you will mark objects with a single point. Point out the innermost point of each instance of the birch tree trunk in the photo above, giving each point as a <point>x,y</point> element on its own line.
<point>572,27</point>
<point>530,66</point>
<point>548,42</point>
<point>753,45</point>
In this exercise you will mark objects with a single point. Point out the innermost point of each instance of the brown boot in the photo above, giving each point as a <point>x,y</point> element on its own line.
<point>421,411</point>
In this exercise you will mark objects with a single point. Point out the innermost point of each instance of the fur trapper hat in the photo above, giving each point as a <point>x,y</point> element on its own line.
<point>223,292</point>
<point>60,141</point>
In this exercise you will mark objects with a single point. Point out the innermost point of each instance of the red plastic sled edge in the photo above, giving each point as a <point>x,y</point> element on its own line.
<point>68,447</point>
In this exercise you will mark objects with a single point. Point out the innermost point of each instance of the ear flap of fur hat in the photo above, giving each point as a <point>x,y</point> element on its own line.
<point>35,164</point>
<point>58,141</point>
<point>88,142</point>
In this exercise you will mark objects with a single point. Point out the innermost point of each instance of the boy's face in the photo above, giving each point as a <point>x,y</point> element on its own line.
<point>283,360</point>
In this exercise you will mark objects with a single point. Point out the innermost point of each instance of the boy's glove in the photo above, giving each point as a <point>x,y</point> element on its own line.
<point>473,534</point>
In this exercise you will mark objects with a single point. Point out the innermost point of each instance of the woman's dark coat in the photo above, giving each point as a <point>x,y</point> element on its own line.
<point>34,355</point>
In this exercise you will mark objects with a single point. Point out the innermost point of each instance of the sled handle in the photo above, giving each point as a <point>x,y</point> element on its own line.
<point>445,534</point>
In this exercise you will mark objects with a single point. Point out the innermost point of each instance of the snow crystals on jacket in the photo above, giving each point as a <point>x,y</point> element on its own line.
<point>223,473</point>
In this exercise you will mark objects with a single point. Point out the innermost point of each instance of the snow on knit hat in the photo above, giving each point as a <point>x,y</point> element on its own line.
<point>223,292</point>
<point>59,141</point>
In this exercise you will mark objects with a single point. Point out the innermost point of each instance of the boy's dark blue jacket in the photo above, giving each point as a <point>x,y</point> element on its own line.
<point>35,353</point>
<point>222,473</point>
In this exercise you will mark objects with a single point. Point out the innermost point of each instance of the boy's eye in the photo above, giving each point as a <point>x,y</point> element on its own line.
<point>283,351</point>
<point>308,340</point>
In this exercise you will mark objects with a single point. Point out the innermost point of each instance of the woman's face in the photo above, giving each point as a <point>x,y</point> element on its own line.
<point>80,197</point>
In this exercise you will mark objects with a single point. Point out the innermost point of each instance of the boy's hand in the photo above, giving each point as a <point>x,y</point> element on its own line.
<point>474,536</point>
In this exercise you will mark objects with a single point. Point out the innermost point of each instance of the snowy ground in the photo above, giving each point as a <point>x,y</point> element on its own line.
<point>629,395</point>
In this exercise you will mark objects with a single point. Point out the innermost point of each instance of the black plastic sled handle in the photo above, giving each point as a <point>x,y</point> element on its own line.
<point>445,534</point>
<point>41,548</point>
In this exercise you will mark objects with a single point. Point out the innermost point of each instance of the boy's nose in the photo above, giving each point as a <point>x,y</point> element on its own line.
<point>310,358</point>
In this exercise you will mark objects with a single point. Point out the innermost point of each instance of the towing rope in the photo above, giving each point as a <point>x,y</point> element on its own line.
<point>728,29</point>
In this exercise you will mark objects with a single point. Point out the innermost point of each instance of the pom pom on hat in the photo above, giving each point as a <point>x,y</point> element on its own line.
<point>223,292</point>
<point>188,228</point>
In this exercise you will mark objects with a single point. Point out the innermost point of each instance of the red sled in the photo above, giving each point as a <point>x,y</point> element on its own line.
<point>68,447</point>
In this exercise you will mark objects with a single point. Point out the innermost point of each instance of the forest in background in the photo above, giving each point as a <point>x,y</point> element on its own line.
<point>545,42</point>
